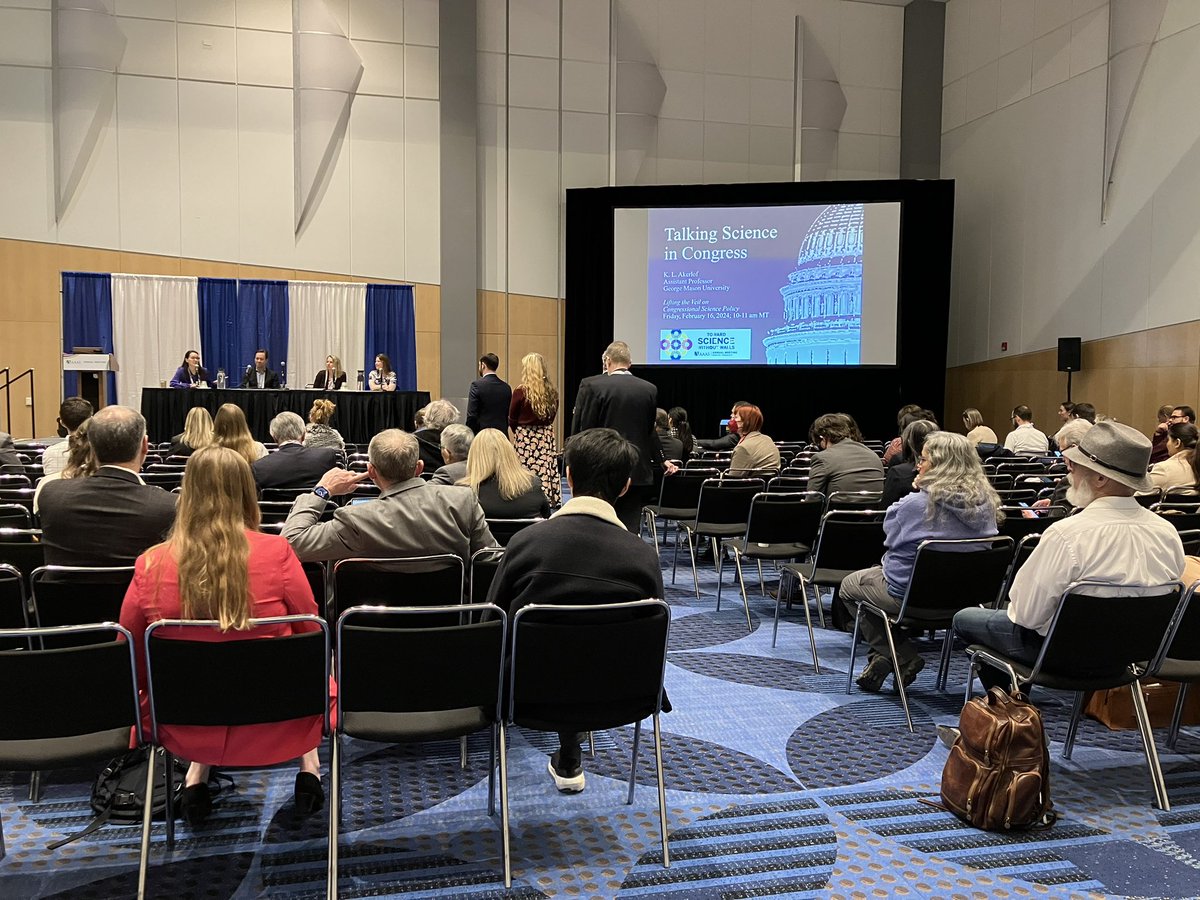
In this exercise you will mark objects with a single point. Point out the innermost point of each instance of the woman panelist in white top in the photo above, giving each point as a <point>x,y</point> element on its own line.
<point>382,377</point>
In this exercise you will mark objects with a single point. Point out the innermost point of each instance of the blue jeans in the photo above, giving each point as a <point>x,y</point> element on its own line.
<point>994,629</point>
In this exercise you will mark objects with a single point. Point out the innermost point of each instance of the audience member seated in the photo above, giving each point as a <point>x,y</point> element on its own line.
<point>72,413</point>
<point>191,374</point>
<point>409,518</point>
<point>1065,409</point>
<point>230,430</point>
<point>196,435</point>
<point>293,465</point>
<point>8,450</point>
<point>905,415</point>
<point>111,517</point>
<point>581,555</point>
<point>318,432</point>
<point>1084,411</point>
<point>1158,440</point>
<point>843,463</point>
<point>1068,436</point>
<point>259,375</point>
<point>954,500</point>
<point>505,488</point>
<point>1182,467</point>
<point>898,482</point>
<point>672,446</point>
<point>977,432</point>
<point>1024,439</point>
<point>754,449</point>
<point>456,444</point>
<point>382,377</point>
<point>330,378</point>
<point>80,464</point>
<point>726,441</point>
<point>216,564</point>
<point>1112,540</point>
<point>434,417</point>
<point>678,420</point>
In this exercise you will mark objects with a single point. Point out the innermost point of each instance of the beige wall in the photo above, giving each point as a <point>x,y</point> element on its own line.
<point>31,312</point>
<point>1127,377</point>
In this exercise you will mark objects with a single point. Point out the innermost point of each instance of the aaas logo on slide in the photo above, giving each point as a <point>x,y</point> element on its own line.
<point>674,344</point>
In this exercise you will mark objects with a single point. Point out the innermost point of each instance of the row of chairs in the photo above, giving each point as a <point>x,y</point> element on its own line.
<point>570,668</point>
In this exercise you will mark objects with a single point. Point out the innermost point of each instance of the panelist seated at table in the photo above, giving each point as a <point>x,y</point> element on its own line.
<point>382,377</point>
<point>332,377</point>
<point>258,375</point>
<point>191,374</point>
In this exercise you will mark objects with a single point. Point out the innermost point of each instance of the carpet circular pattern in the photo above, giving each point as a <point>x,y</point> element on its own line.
<point>707,629</point>
<point>756,671</point>
<point>201,878</point>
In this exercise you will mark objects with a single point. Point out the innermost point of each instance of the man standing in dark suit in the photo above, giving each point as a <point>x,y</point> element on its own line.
<point>107,519</point>
<point>260,376</point>
<point>620,400</point>
<point>489,399</point>
<point>293,464</point>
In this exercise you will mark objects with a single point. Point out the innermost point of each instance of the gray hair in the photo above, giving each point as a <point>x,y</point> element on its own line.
<point>440,413</point>
<point>394,454</point>
<point>287,426</point>
<point>618,352</point>
<point>456,440</point>
<point>1071,433</point>
<point>955,479</point>
<point>116,434</point>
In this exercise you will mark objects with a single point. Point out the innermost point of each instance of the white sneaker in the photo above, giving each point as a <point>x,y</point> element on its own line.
<point>566,784</point>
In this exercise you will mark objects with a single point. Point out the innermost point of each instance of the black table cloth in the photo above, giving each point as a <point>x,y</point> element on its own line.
<point>360,415</point>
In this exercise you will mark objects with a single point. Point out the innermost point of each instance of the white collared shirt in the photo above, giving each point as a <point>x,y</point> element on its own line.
<point>1028,440</point>
<point>123,469</point>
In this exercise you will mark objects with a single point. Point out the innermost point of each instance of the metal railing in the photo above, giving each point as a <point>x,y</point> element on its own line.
<point>6,386</point>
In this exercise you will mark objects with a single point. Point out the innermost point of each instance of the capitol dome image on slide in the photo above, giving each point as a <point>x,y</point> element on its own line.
<point>822,301</point>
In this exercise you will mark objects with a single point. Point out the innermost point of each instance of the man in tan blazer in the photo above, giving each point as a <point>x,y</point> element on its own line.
<point>411,517</point>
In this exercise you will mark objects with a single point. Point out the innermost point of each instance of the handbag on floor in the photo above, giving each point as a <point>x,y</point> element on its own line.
<point>998,774</point>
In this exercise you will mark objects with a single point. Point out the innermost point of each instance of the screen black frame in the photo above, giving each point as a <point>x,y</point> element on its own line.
<point>789,396</point>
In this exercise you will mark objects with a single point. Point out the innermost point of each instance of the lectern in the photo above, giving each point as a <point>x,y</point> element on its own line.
<point>94,389</point>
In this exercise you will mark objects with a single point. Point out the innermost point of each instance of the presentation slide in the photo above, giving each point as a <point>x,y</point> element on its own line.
<point>761,285</point>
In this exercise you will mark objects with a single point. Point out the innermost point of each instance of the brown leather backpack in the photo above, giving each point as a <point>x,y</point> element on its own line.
<point>998,775</point>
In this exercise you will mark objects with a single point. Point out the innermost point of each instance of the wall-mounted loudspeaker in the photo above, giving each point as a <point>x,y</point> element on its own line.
<point>1070,354</point>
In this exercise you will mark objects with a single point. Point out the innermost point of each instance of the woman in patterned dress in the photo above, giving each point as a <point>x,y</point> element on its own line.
<point>531,418</point>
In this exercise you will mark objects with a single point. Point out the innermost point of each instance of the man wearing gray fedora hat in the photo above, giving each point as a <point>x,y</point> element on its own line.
<point>1112,539</point>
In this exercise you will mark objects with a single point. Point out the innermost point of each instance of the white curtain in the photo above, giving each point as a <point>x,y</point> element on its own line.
<point>325,318</point>
<point>156,320</point>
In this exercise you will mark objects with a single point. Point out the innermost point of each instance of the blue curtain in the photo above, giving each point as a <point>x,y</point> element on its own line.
<point>219,326</point>
<point>87,321</point>
<point>262,323</point>
<point>391,329</point>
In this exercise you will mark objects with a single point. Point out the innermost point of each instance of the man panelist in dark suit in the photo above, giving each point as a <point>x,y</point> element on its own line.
<point>489,398</point>
<point>620,400</point>
<point>293,464</point>
<point>107,519</point>
<point>260,376</point>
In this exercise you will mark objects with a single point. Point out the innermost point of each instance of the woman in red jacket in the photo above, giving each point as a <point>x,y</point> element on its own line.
<point>216,564</point>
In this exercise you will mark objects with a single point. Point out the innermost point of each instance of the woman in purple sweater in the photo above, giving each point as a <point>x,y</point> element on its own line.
<point>954,500</point>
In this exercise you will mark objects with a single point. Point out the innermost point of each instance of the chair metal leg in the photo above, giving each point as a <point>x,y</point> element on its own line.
<point>1177,718</point>
<point>649,519</point>
<point>737,560</point>
<point>778,601</point>
<point>675,554</point>
<point>692,553</point>
<point>147,813</point>
<point>462,752</point>
<point>899,682</point>
<point>591,743</point>
<point>492,771</point>
<point>812,638</point>
<point>718,564</point>
<point>3,849</point>
<point>853,648</point>
<point>817,593</point>
<point>1073,726</point>
<point>1162,801</point>
<point>662,793</point>
<point>504,807</point>
<point>637,734</point>
<point>169,783</point>
<point>970,680</point>
<point>335,803</point>
<point>762,585</point>
<point>35,787</point>
<point>944,666</point>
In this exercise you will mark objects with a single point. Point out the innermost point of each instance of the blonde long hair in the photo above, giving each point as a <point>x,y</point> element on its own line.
<point>198,428</point>
<point>492,456</point>
<point>230,430</point>
<point>81,461</point>
<point>208,541</point>
<point>321,412</point>
<point>539,391</point>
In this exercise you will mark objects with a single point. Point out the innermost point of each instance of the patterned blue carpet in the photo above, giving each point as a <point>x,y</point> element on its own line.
<point>778,784</point>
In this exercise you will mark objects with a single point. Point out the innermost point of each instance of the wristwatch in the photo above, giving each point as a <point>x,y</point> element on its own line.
<point>321,492</point>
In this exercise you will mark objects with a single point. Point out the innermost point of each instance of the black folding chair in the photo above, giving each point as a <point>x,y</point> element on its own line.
<point>719,463</point>
<point>229,667</point>
<point>1025,547</point>
<point>503,529</point>
<point>678,496</point>
<point>14,606</point>
<point>283,495</point>
<point>722,511</point>
<point>66,707</point>
<point>1016,525</point>
<point>19,495</point>
<point>75,595</point>
<point>408,581</point>
<point>1010,466</point>
<point>14,482</point>
<point>274,511</point>
<point>790,484</point>
<point>1191,541</point>
<point>166,480</point>
<point>947,575</point>
<point>850,500</point>
<point>1148,498</point>
<point>484,563</point>
<point>1184,516</point>
<point>591,668</point>
<point>1097,643</point>
<point>407,684</point>
<point>1017,496</point>
<point>14,515</point>
<point>780,527</point>
<point>1179,659</point>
